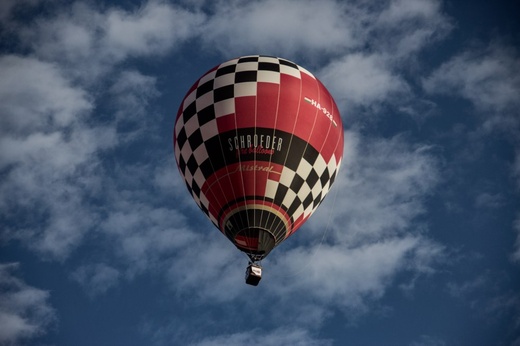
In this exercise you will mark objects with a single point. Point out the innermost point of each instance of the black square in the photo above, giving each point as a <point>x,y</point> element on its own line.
<point>182,165</point>
<point>294,205</point>
<point>312,178</point>
<point>245,76</point>
<point>288,63</point>
<point>280,194</point>
<point>195,139</point>
<point>206,168</point>
<point>269,66</point>
<point>189,112</point>
<point>307,201</point>
<point>215,153</point>
<point>324,177</point>
<point>295,153</point>
<point>317,201</point>
<point>181,137</point>
<point>223,93</point>
<point>225,70</point>
<point>297,183</point>
<point>206,115</point>
<point>205,88</point>
<point>248,59</point>
<point>310,155</point>
<point>204,209</point>
<point>332,178</point>
<point>192,164</point>
<point>189,187</point>
<point>195,188</point>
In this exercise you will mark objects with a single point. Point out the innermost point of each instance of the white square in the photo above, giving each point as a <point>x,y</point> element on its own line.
<point>270,188</point>
<point>225,107</point>
<point>178,126</point>
<point>191,125</point>
<point>298,212</point>
<point>268,77</point>
<point>204,101</point>
<point>268,59</point>
<point>320,165</point>
<point>316,189</point>
<point>290,71</point>
<point>200,154</point>
<point>305,190</point>
<point>287,176</point>
<point>209,130</point>
<point>227,63</point>
<point>289,198</point>
<point>226,79</point>
<point>189,99</point>
<point>207,77</point>
<point>177,151</point>
<point>247,66</point>
<point>199,177</point>
<point>186,152</point>
<point>245,89</point>
<point>304,169</point>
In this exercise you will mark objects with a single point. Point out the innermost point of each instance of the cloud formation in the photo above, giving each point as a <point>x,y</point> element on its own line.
<point>483,76</point>
<point>24,310</point>
<point>77,97</point>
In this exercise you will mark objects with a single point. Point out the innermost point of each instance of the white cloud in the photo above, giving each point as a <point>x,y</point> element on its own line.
<point>384,183</point>
<point>516,227</point>
<point>405,27</point>
<point>282,336</point>
<point>516,223</point>
<point>153,29</point>
<point>465,289</point>
<point>89,42</point>
<point>362,80</point>
<point>346,275</point>
<point>483,76</point>
<point>488,78</point>
<point>8,7</point>
<point>35,95</point>
<point>48,154</point>
<point>316,30</point>
<point>51,148</point>
<point>96,278</point>
<point>279,27</point>
<point>489,200</point>
<point>130,94</point>
<point>25,312</point>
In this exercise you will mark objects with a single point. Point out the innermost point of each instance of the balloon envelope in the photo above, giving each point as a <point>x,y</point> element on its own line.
<point>258,141</point>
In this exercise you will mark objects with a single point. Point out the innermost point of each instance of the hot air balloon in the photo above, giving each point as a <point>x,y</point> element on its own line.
<point>258,141</point>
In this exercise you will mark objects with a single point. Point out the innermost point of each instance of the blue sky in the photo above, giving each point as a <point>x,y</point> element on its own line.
<point>418,242</point>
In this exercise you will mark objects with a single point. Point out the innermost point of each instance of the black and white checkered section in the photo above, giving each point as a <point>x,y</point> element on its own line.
<point>213,97</point>
<point>301,190</point>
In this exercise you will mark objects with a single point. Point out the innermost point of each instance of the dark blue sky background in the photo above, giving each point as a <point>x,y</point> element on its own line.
<point>418,242</point>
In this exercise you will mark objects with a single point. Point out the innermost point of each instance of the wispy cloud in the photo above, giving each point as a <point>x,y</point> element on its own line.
<point>484,76</point>
<point>88,42</point>
<point>297,337</point>
<point>24,310</point>
<point>487,77</point>
<point>96,278</point>
<point>48,154</point>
